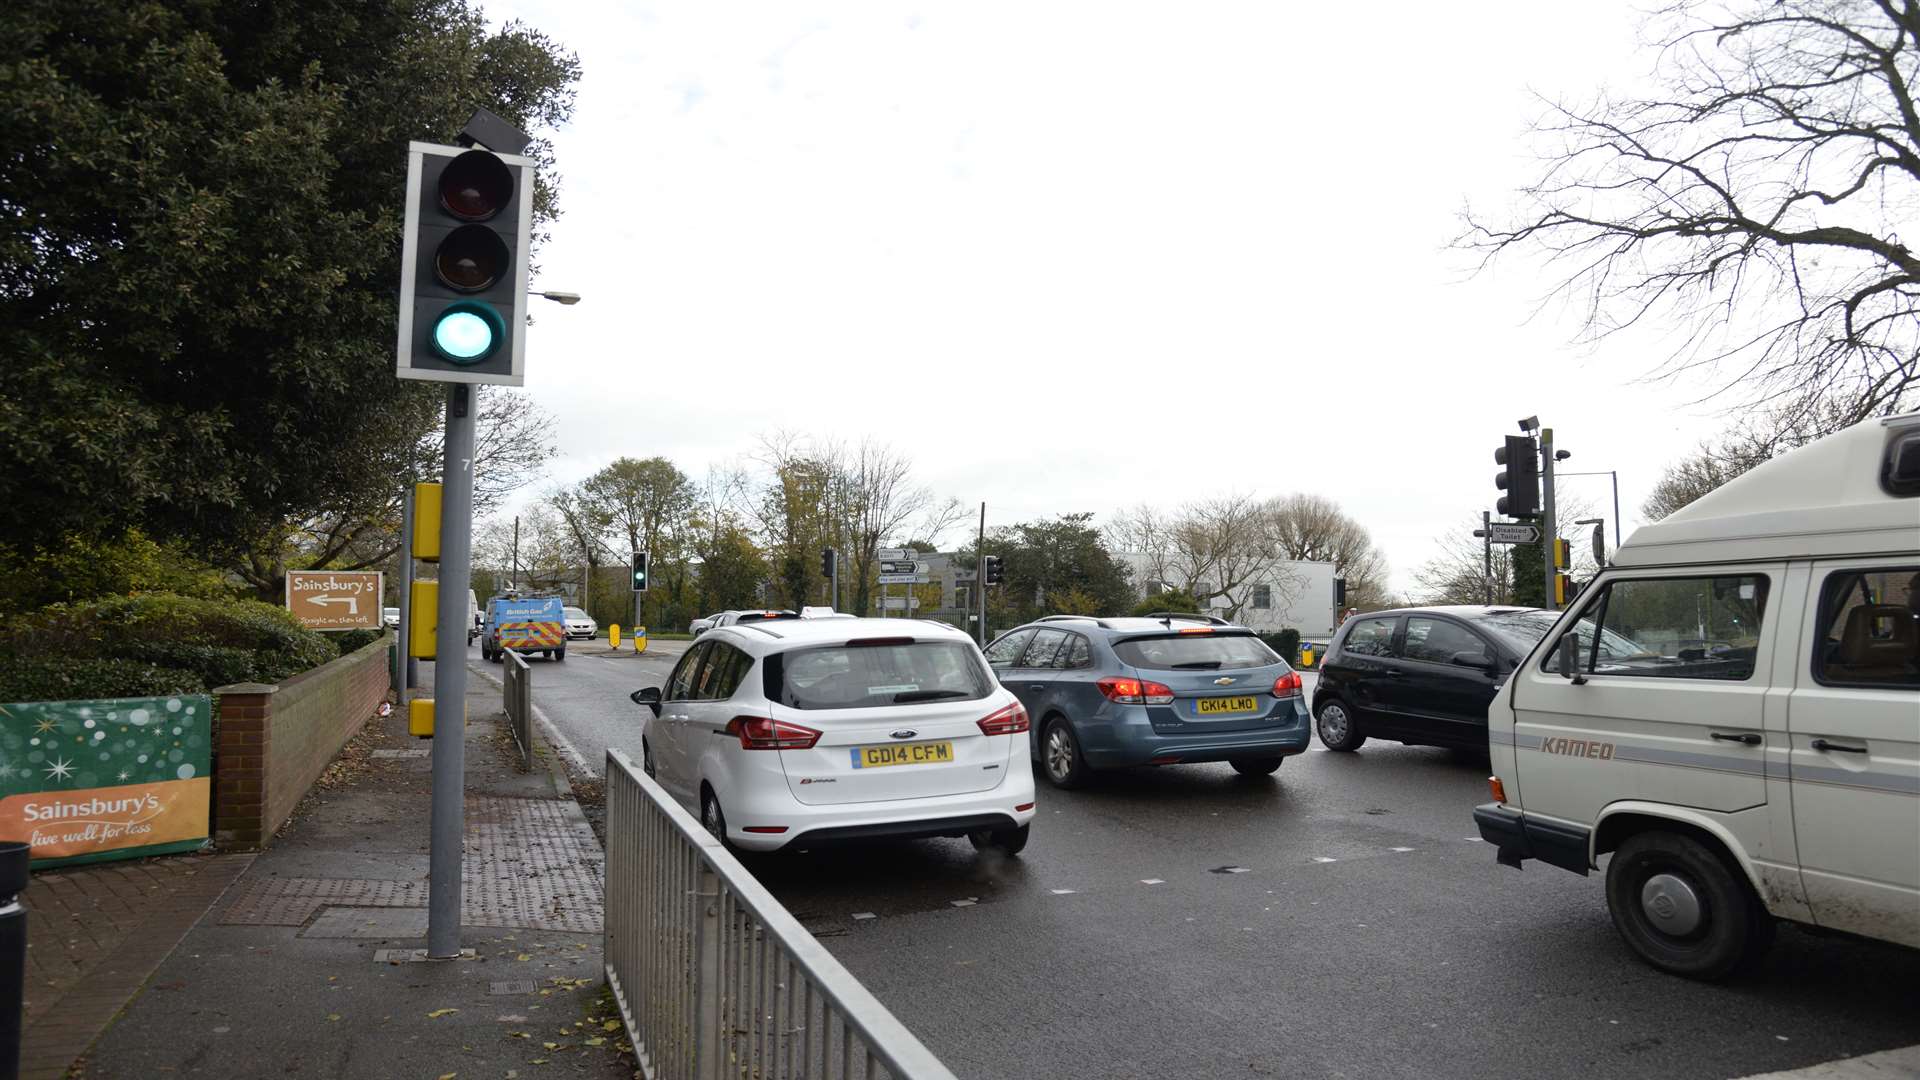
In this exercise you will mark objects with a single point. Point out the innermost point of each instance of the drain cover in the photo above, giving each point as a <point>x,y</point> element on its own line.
<point>511,986</point>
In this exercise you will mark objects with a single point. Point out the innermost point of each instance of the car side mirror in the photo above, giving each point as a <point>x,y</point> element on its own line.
<point>1570,659</point>
<point>650,697</point>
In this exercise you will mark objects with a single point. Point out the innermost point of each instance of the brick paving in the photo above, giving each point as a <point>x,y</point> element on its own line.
<point>94,935</point>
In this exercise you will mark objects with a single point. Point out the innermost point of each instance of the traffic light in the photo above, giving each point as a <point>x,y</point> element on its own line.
<point>1563,589</point>
<point>1339,592</point>
<point>990,570</point>
<point>826,562</point>
<point>463,265</point>
<point>1521,477</point>
<point>1562,553</point>
<point>639,571</point>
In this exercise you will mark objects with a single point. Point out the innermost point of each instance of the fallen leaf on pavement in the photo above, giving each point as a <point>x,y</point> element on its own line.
<point>524,956</point>
<point>333,1016</point>
<point>596,1041</point>
<point>438,1013</point>
<point>611,1025</point>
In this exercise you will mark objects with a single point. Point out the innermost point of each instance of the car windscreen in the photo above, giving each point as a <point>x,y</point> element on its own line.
<point>870,676</point>
<point>1195,652</point>
<point>575,613</point>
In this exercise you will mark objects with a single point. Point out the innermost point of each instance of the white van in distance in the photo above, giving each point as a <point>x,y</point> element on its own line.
<point>1732,711</point>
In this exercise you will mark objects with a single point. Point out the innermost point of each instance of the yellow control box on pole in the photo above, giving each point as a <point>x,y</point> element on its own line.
<point>426,619</point>
<point>420,718</point>
<point>1563,590</point>
<point>426,522</point>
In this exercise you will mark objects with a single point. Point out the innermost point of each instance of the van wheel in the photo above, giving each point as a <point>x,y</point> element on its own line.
<point>1060,757</point>
<point>1336,728</point>
<point>1680,905</point>
<point>1005,841</point>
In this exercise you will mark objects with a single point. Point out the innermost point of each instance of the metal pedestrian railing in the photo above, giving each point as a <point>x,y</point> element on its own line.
<point>518,692</point>
<point>714,977</point>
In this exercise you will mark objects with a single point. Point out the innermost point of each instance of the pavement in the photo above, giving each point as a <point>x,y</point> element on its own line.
<point>1341,918</point>
<point>309,962</point>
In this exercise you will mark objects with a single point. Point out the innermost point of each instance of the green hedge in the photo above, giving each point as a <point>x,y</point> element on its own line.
<point>135,646</point>
<point>1286,643</point>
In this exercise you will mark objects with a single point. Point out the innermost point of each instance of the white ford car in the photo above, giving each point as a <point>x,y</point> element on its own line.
<point>800,733</point>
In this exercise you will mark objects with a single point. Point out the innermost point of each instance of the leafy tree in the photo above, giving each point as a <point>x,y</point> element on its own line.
<point>203,205</point>
<point>1064,560</point>
<point>731,570</point>
<point>1170,600</point>
<point>645,504</point>
<point>1757,198</point>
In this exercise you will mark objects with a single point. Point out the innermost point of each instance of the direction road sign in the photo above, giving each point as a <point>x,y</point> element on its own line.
<point>1505,533</point>
<point>888,554</point>
<point>903,566</point>
<point>904,579</point>
<point>335,599</point>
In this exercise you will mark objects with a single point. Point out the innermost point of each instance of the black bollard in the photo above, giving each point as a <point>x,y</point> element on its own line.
<point>13,954</point>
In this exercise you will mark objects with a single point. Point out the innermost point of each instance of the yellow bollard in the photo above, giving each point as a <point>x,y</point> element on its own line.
<point>613,636</point>
<point>1306,658</point>
<point>639,639</point>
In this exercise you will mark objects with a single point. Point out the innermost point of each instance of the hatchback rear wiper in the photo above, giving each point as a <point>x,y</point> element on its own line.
<point>1210,665</point>
<point>927,695</point>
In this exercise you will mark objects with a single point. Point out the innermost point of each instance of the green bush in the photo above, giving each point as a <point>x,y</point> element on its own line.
<point>155,639</point>
<point>1286,643</point>
<point>67,678</point>
<point>1175,600</point>
<point>347,641</point>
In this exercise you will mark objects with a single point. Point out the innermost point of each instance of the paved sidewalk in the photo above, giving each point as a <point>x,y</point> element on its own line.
<point>307,967</point>
<point>94,935</point>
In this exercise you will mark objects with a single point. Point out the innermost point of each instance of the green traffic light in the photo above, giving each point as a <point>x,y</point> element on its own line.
<point>467,333</point>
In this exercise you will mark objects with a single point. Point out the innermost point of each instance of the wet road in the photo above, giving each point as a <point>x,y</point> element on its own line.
<point>1338,919</point>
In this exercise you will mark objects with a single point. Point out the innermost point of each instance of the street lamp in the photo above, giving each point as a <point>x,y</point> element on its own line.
<point>558,297</point>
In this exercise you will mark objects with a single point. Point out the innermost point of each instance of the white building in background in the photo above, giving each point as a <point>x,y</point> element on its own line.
<point>1275,595</point>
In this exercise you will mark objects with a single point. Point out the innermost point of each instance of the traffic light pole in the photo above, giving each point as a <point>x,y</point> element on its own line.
<point>1549,533</point>
<point>1486,554</point>
<point>450,679</point>
<point>406,673</point>
<point>980,573</point>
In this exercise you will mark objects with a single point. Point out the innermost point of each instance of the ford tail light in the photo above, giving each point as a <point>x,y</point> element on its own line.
<point>1008,721</point>
<point>1288,685</point>
<point>1136,691</point>
<point>760,733</point>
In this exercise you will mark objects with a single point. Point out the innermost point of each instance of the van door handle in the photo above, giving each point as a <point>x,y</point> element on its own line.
<point>1037,689</point>
<point>1746,737</point>
<point>1822,744</point>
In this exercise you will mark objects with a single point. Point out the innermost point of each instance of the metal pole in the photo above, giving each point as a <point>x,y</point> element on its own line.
<point>1550,533</point>
<point>1486,556</point>
<point>836,578</point>
<point>407,672</point>
<point>980,573</point>
<point>14,856</point>
<point>450,678</point>
<point>1617,526</point>
<point>516,550</point>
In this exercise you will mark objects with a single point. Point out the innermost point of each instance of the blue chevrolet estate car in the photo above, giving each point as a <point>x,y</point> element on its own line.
<point>1165,689</point>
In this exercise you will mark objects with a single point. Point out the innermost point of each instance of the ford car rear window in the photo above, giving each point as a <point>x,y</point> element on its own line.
<point>871,676</point>
<point>1196,652</point>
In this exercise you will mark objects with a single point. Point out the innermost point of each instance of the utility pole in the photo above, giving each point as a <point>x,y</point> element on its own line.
<point>980,572</point>
<point>450,678</point>
<point>1549,533</point>
<point>516,551</point>
<point>836,578</point>
<point>1486,554</point>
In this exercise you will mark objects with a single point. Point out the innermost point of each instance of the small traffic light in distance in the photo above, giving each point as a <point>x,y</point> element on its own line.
<point>1339,592</point>
<point>826,562</point>
<point>463,269</point>
<point>990,569</point>
<point>639,571</point>
<point>1562,553</point>
<point>1521,477</point>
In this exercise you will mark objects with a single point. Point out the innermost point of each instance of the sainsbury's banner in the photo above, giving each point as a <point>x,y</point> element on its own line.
<point>84,781</point>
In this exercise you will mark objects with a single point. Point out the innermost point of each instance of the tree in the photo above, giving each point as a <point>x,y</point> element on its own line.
<point>1745,445</point>
<point>200,258</point>
<point>1313,528</point>
<point>645,504</point>
<point>1063,560</point>
<point>1168,600</point>
<point>1756,200</point>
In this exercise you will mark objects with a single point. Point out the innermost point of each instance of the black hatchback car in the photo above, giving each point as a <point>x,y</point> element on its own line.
<point>1421,676</point>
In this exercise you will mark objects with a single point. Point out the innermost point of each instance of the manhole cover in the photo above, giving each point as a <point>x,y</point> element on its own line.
<point>511,986</point>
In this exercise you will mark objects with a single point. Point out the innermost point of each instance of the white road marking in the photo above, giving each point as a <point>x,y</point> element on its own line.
<point>1153,881</point>
<point>1885,1065</point>
<point>969,902</point>
<point>1061,892</point>
<point>1323,858</point>
<point>865,915</point>
<point>1400,849</point>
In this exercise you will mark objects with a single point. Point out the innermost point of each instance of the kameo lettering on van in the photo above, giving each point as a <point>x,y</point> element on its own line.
<point>1586,748</point>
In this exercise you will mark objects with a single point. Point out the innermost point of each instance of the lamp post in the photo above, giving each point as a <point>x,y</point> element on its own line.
<point>1618,533</point>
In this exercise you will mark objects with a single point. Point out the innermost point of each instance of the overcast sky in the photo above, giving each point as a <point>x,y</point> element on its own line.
<point>1079,256</point>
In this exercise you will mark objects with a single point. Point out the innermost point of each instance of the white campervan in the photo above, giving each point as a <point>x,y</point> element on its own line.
<point>1732,710</point>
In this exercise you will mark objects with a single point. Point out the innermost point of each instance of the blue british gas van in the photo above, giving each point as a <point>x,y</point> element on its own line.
<point>530,624</point>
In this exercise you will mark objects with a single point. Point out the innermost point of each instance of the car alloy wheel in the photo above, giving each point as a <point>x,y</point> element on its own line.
<point>1335,726</point>
<point>1060,755</point>
<point>712,818</point>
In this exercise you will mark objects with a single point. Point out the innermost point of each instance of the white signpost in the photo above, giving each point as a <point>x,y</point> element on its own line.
<point>1509,533</point>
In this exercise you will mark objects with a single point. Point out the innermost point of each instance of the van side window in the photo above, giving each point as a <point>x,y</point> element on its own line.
<point>1672,628</point>
<point>1869,628</point>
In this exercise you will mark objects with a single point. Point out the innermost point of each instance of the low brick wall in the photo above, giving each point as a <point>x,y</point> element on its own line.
<point>272,741</point>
